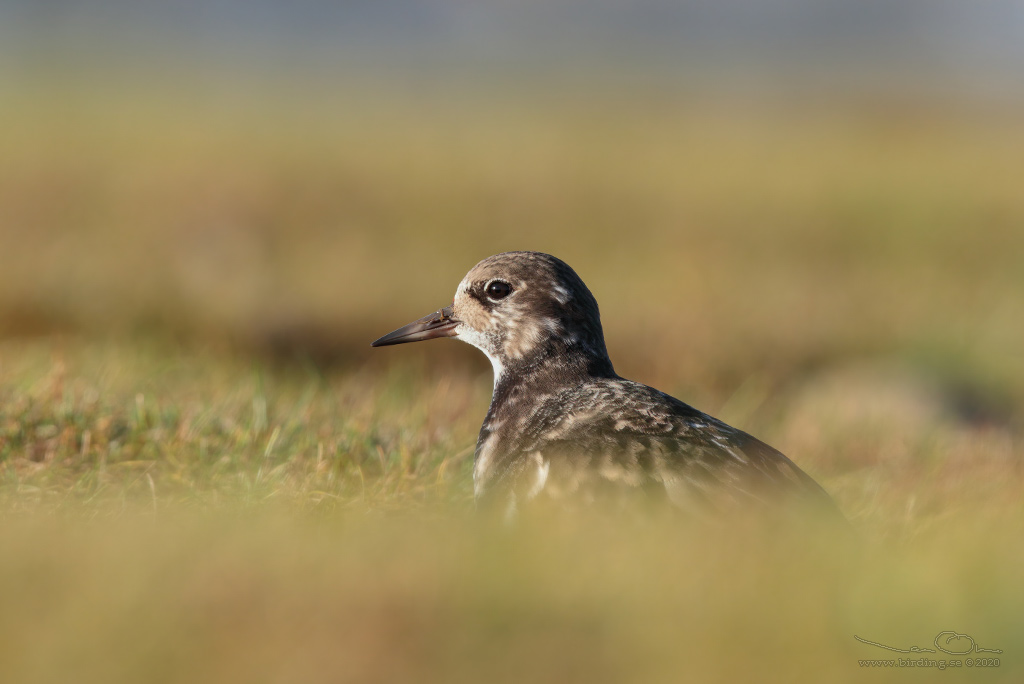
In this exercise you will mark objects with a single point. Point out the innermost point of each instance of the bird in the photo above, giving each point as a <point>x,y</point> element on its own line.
<point>563,428</point>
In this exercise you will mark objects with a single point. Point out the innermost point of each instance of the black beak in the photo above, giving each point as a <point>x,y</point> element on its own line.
<point>438,324</point>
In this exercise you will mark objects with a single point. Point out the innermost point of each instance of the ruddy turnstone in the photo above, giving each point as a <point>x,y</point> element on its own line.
<point>562,426</point>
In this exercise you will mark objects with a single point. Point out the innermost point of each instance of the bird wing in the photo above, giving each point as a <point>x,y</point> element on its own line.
<point>616,436</point>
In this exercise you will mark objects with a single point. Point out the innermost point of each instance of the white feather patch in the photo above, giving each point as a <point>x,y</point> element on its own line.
<point>543,468</point>
<point>561,294</point>
<point>484,343</point>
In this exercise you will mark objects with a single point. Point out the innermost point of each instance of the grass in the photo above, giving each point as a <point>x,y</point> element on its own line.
<point>206,476</point>
<point>191,516</point>
<point>271,597</point>
<point>140,423</point>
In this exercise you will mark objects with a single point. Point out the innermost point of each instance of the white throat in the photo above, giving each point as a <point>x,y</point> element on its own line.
<point>486,344</point>
<point>498,367</point>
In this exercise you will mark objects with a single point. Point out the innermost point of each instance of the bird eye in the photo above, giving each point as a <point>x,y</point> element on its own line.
<point>498,289</point>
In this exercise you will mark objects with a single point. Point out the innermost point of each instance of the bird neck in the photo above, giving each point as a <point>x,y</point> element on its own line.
<point>546,371</point>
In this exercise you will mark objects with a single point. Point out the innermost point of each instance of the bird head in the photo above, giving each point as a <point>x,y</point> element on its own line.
<point>520,309</point>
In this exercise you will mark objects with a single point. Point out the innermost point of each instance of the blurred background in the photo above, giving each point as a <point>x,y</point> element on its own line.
<point>253,168</point>
<point>748,187</point>
<point>803,216</point>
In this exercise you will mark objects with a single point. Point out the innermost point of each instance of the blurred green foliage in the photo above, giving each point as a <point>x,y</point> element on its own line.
<point>722,239</point>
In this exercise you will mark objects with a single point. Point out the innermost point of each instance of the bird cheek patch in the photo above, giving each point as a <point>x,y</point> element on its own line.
<point>524,336</point>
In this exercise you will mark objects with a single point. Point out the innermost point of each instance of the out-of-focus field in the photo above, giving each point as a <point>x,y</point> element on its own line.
<point>205,475</point>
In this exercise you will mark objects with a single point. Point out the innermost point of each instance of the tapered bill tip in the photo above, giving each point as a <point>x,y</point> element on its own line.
<point>438,324</point>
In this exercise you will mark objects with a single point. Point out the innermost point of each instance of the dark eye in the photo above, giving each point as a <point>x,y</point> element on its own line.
<point>498,289</point>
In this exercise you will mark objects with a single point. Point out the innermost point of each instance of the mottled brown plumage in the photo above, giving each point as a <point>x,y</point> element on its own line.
<point>562,427</point>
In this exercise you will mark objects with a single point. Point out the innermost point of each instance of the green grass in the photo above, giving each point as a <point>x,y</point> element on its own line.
<point>193,516</point>
<point>206,475</point>
<point>140,423</point>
